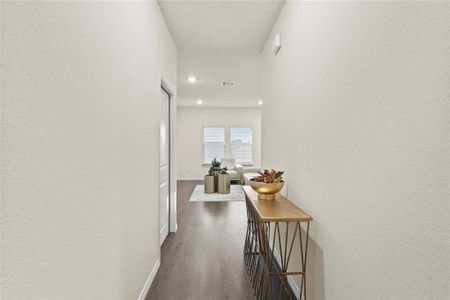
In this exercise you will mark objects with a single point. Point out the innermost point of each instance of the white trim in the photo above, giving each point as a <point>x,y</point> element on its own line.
<point>185,179</point>
<point>163,233</point>
<point>292,283</point>
<point>149,281</point>
<point>171,89</point>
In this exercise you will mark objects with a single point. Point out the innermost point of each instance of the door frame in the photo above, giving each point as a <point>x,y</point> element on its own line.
<point>173,225</point>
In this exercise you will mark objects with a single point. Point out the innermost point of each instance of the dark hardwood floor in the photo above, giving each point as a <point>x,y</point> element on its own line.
<point>203,259</point>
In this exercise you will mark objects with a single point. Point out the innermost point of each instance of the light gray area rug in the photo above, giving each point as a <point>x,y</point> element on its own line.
<point>236,194</point>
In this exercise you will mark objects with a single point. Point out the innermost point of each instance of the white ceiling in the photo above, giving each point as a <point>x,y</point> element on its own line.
<point>220,25</point>
<point>214,68</point>
<point>220,40</point>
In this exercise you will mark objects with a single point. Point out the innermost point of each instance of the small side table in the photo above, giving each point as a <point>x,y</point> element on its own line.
<point>263,236</point>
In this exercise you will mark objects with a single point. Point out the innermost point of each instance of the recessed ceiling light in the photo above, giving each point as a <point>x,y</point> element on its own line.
<point>260,102</point>
<point>192,79</point>
<point>199,101</point>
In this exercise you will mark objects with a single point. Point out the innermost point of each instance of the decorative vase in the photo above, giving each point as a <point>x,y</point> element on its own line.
<point>209,184</point>
<point>266,191</point>
<point>223,186</point>
<point>216,182</point>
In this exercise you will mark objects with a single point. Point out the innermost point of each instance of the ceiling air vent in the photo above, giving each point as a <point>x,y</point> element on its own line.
<point>228,83</point>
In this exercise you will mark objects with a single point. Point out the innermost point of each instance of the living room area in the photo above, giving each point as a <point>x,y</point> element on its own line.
<point>232,136</point>
<point>216,153</point>
<point>219,115</point>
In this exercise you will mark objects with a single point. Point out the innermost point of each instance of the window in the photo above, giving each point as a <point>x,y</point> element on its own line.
<point>213,143</point>
<point>241,144</point>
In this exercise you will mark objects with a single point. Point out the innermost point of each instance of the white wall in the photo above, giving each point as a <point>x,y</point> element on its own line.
<point>80,148</point>
<point>357,111</point>
<point>190,123</point>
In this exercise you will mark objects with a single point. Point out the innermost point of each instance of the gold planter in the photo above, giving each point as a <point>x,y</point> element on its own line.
<point>209,184</point>
<point>266,191</point>
<point>223,184</point>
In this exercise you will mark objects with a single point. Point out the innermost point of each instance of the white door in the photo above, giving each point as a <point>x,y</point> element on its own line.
<point>164,168</point>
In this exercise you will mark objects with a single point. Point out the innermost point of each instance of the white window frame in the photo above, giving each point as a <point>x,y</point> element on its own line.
<point>218,157</point>
<point>245,163</point>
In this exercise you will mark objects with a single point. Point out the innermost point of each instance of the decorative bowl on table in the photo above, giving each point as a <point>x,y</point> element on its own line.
<point>266,191</point>
<point>267,184</point>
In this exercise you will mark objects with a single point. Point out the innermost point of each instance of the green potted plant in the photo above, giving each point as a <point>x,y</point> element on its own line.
<point>211,179</point>
<point>267,184</point>
<point>215,167</point>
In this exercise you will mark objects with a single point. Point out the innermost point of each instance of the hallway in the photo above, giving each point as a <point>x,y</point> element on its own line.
<point>203,260</point>
<point>111,112</point>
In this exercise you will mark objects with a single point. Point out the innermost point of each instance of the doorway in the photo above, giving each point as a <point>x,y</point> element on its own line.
<point>164,166</point>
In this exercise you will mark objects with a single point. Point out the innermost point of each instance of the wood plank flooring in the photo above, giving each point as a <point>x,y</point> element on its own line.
<point>203,259</point>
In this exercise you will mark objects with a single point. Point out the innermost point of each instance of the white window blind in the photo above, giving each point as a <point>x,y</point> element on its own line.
<point>213,143</point>
<point>241,144</point>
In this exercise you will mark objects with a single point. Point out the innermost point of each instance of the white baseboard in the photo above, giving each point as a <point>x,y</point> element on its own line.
<point>292,283</point>
<point>163,233</point>
<point>175,229</point>
<point>149,281</point>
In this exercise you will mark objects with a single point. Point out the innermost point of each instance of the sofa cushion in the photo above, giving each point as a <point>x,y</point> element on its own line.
<point>230,163</point>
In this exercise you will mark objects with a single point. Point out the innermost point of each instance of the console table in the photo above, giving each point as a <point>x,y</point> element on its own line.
<point>264,238</point>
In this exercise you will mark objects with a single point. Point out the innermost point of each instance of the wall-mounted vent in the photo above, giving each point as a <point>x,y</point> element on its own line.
<point>228,83</point>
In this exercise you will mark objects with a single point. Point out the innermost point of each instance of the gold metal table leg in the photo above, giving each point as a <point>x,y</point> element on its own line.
<point>260,244</point>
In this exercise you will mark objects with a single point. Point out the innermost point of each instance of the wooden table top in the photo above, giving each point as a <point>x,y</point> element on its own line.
<point>278,210</point>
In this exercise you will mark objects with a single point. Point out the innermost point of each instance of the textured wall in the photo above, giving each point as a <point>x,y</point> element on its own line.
<point>357,111</point>
<point>80,128</point>
<point>190,123</point>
